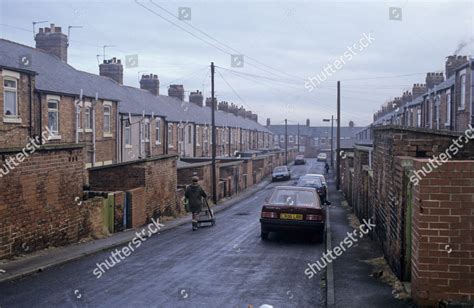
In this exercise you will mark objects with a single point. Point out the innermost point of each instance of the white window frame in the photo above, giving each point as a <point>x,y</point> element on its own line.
<point>13,90</point>
<point>198,135</point>
<point>56,111</point>
<point>418,117</point>
<point>79,117</point>
<point>158,130</point>
<point>290,138</point>
<point>282,138</point>
<point>146,131</point>
<point>88,118</point>
<point>107,132</point>
<point>170,135</point>
<point>127,134</point>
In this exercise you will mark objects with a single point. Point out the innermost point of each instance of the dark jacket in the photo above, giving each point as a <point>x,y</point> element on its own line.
<point>194,193</point>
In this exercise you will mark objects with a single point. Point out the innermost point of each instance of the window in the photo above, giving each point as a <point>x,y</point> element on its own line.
<point>88,114</point>
<point>128,133</point>
<point>282,138</point>
<point>107,119</point>
<point>462,101</point>
<point>10,97</point>
<point>170,135</point>
<point>53,116</point>
<point>190,134</point>
<point>79,117</point>
<point>198,136</point>
<point>290,138</point>
<point>418,119</point>
<point>158,131</point>
<point>146,130</point>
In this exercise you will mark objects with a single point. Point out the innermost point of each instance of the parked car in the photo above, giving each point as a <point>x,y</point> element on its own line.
<point>316,183</point>
<point>300,160</point>
<point>281,173</point>
<point>291,208</point>
<point>323,180</point>
<point>322,157</point>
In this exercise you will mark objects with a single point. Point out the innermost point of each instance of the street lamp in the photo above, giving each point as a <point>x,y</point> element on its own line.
<point>332,136</point>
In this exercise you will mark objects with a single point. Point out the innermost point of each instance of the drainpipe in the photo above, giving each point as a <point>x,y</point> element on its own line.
<point>76,105</point>
<point>30,89</point>
<point>120,144</point>
<point>93,129</point>
<point>40,117</point>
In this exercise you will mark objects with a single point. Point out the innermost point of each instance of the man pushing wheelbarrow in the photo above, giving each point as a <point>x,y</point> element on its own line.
<point>196,199</point>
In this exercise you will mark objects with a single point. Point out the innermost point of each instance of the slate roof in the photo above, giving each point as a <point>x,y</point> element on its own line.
<point>55,76</point>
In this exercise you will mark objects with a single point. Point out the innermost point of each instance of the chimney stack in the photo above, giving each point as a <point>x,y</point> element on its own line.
<point>433,79</point>
<point>453,62</point>
<point>150,83</point>
<point>307,123</point>
<point>234,109</point>
<point>242,112</point>
<point>224,106</point>
<point>254,117</point>
<point>196,98</point>
<point>176,90</point>
<point>268,122</point>
<point>53,41</point>
<point>209,102</point>
<point>418,90</point>
<point>406,97</point>
<point>113,69</point>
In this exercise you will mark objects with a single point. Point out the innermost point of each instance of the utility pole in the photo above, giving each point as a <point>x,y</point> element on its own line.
<point>338,147</point>
<point>332,141</point>
<point>286,142</point>
<point>298,138</point>
<point>213,131</point>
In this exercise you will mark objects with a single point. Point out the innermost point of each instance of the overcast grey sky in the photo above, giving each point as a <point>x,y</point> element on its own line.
<point>284,43</point>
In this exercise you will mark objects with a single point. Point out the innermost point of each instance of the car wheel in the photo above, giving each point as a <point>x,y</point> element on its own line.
<point>264,235</point>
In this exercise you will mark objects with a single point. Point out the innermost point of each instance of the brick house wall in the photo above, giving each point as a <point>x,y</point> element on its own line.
<point>157,174</point>
<point>39,201</point>
<point>386,189</point>
<point>443,220</point>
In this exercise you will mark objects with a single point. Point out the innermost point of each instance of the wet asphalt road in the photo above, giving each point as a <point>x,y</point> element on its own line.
<point>222,266</point>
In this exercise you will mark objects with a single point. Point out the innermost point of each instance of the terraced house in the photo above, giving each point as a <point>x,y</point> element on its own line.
<point>103,139</point>
<point>411,171</point>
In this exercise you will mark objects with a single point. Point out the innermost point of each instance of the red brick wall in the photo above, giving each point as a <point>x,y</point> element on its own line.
<point>443,227</point>
<point>157,174</point>
<point>386,187</point>
<point>38,206</point>
<point>137,203</point>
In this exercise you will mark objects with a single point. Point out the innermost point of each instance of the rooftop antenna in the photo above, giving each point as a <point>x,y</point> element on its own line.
<point>69,32</point>
<point>105,46</point>
<point>34,26</point>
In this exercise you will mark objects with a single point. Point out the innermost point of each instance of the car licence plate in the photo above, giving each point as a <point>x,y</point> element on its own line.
<point>291,216</point>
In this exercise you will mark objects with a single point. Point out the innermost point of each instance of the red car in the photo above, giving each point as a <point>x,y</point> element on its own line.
<point>291,208</point>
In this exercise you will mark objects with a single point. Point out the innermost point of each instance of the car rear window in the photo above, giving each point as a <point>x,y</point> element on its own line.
<point>280,169</point>
<point>310,181</point>
<point>293,197</point>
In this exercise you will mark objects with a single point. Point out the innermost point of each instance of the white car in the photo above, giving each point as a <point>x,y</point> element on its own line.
<point>322,157</point>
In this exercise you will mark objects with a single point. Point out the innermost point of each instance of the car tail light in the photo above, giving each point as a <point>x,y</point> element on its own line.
<point>314,217</point>
<point>269,215</point>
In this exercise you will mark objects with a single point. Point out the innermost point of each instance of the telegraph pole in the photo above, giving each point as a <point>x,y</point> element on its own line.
<point>332,141</point>
<point>286,142</point>
<point>338,144</point>
<point>213,131</point>
<point>298,138</point>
